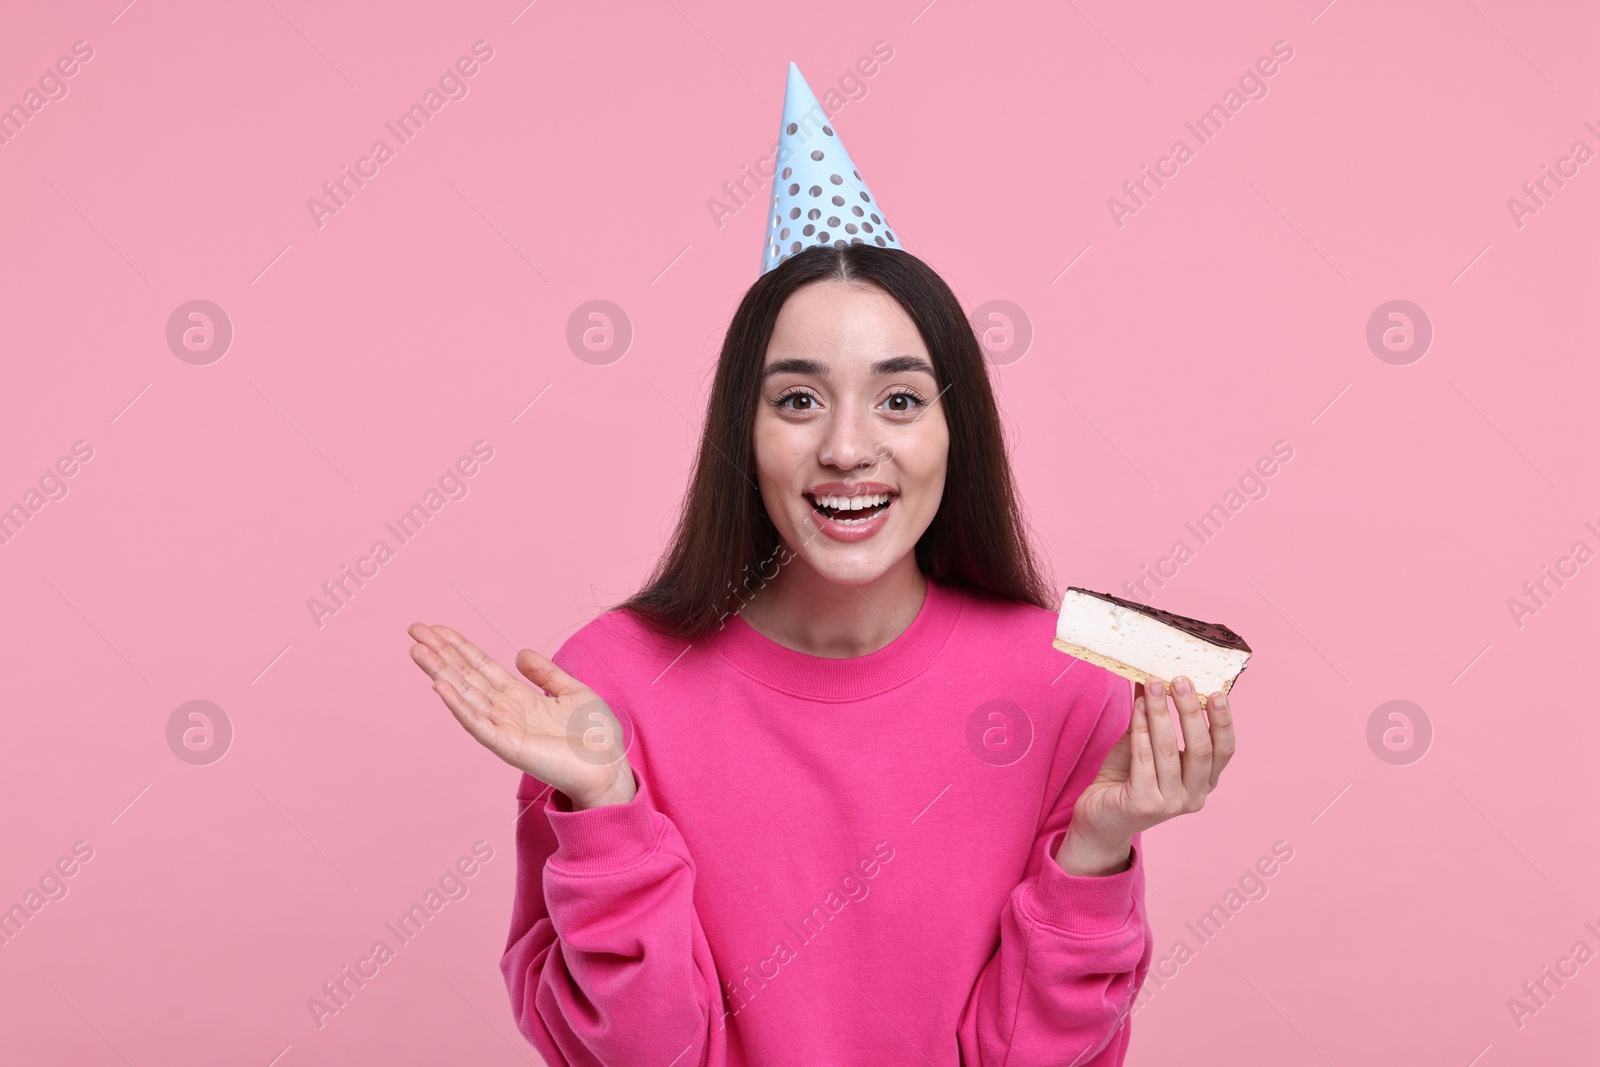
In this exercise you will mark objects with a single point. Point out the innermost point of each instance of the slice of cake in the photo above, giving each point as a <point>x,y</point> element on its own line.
<point>1138,641</point>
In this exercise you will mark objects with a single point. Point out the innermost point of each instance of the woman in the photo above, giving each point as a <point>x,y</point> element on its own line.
<point>833,797</point>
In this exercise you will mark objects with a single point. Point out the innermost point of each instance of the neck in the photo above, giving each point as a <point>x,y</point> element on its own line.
<point>802,610</point>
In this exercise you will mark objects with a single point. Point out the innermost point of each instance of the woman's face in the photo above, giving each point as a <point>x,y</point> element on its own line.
<point>847,415</point>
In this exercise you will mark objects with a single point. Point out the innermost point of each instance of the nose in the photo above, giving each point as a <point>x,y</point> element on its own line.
<point>848,443</point>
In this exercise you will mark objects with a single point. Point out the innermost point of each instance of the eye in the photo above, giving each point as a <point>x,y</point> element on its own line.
<point>904,402</point>
<point>803,401</point>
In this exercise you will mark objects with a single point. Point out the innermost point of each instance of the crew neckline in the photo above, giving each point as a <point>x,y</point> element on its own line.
<point>845,678</point>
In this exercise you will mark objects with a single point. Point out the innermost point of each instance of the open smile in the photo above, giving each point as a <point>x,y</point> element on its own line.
<point>851,509</point>
<point>851,517</point>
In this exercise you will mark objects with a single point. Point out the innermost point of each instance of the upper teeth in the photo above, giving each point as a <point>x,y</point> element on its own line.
<point>852,503</point>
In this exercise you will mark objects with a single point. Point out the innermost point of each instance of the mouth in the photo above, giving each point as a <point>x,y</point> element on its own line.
<point>851,510</point>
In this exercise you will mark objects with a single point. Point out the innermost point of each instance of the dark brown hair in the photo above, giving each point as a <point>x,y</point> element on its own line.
<point>977,539</point>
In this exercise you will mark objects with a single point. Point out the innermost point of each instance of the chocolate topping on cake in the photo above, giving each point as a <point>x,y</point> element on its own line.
<point>1214,632</point>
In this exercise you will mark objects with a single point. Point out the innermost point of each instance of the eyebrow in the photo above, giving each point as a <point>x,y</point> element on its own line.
<point>892,365</point>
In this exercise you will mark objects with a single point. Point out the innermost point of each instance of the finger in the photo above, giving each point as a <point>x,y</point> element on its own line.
<point>1118,764</point>
<point>546,675</point>
<point>443,652</point>
<point>425,657</point>
<point>1142,769</point>
<point>472,710</point>
<point>476,658</point>
<point>1222,736</point>
<point>1197,749</point>
<point>423,634</point>
<point>458,674</point>
<point>1163,739</point>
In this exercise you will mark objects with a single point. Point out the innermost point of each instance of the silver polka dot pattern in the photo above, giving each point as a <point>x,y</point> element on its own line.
<point>812,158</point>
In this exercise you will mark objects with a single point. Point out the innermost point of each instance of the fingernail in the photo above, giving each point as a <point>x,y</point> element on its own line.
<point>1220,701</point>
<point>1157,689</point>
<point>1180,686</point>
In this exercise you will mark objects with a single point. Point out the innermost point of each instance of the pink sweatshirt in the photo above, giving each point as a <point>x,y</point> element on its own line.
<point>832,861</point>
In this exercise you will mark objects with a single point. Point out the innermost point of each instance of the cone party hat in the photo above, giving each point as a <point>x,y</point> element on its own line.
<point>818,197</point>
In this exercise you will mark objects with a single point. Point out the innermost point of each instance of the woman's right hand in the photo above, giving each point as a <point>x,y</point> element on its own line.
<point>569,739</point>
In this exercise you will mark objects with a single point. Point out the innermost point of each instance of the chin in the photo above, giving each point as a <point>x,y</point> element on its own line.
<point>846,563</point>
<point>849,571</point>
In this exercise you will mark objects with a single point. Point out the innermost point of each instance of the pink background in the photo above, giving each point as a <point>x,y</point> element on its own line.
<point>1229,313</point>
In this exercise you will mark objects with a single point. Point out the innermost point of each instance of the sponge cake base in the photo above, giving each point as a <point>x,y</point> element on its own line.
<point>1116,666</point>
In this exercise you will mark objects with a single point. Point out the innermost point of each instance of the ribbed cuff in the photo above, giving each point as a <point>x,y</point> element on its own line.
<point>604,838</point>
<point>1084,904</point>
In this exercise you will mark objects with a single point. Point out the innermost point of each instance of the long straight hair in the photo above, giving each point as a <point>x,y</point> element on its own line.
<point>977,540</point>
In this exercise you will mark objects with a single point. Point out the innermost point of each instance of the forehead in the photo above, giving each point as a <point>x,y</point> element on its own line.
<point>843,320</point>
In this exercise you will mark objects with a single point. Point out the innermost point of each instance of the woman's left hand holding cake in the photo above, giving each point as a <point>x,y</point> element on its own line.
<point>1146,779</point>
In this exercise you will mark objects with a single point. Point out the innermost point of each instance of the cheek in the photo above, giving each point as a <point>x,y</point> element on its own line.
<point>923,459</point>
<point>782,455</point>
<point>780,449</point>
<point>919,468</point>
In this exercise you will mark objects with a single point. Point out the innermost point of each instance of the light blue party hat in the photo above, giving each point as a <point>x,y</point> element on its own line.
<point>818,196</point>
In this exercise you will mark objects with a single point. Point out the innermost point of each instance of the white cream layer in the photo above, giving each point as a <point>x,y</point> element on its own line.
<point>1146,643</point>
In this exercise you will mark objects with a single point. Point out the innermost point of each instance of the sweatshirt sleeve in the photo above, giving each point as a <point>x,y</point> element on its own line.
<point>607,962</point>
<point>1073,950</point>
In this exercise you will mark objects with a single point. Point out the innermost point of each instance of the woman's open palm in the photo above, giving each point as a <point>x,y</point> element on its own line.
<point>568,739</point>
